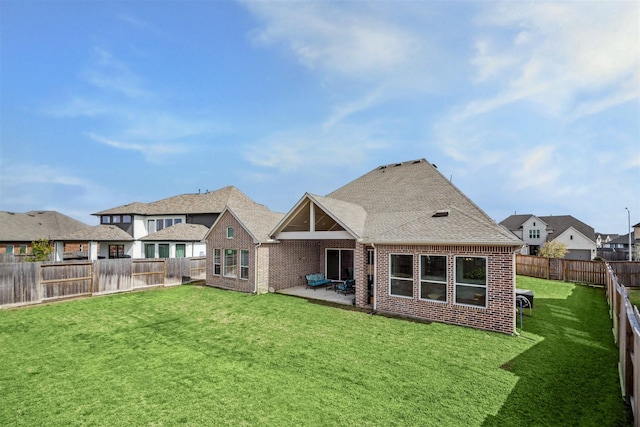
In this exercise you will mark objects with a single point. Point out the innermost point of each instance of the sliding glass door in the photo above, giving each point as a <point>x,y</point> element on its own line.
<point>339,264</point>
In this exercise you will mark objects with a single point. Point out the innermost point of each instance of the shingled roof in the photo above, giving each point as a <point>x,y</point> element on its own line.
<point>33,225</point>
<point>200,203</point>
<point>410,202</point>
<point>257,222</point>
<point>179,233</point>
<point>99,233</point>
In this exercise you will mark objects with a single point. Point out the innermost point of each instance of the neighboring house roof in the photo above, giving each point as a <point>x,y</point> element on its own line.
<point>409,202</point>
<point>201,203</point>
<point>257,222</point>
<point>33,225</point>
<point>624,239</point>
<point>515,222</point>
<point>99,233</point>
<point>560,223</point>
<point>180,233</point>
<point>556,223</point>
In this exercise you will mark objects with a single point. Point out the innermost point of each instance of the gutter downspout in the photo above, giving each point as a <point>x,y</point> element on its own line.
<point>375,276</point>
<point>255,276</point>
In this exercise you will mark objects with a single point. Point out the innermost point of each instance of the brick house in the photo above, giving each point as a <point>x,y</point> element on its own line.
<point>19,230</point>
<point>415,245</point>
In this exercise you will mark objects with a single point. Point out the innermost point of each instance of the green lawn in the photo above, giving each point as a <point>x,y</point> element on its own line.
<point>201,356</point>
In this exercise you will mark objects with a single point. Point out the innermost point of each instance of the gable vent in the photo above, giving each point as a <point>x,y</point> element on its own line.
<point>440,214</point>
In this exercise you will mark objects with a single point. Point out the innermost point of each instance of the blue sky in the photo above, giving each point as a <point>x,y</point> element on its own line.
<point>528,107</point>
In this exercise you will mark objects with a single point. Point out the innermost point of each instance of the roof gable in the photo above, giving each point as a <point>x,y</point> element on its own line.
<point>316,214</point>
<point>257,222</point>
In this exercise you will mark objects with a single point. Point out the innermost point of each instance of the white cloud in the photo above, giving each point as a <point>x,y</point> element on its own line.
<point>111,74</point>
<point>351,41</point>
<point>293,150</point>
<point>571,58</point>
<point>152,152</point>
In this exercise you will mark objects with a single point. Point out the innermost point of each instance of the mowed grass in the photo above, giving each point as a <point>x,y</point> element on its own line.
<point>201,356</point>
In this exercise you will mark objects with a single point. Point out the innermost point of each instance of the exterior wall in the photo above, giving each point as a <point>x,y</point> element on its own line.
<point>497,316</point>
<point>262,255</point>
<point>103,250</point>
<point>217,239</point>
<point>292,260</point>
<point>534,223</point>
<point>576,242</point>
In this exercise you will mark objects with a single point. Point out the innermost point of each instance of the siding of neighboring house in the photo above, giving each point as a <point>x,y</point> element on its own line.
<point>498,314</point>
<point>576,244</point>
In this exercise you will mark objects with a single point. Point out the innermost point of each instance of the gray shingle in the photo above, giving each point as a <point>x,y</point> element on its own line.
<point>33,225</point>
<point>400,200</point>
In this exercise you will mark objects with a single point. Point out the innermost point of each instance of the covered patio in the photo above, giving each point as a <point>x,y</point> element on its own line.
<point>321,294</point>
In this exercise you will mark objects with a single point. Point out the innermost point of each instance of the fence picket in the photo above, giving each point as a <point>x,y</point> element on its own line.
<point>27,283</point>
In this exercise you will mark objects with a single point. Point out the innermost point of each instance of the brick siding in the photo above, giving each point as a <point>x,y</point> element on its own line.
<point>497,316</point>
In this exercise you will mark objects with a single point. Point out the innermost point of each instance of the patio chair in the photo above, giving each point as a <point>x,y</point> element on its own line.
<point>347,287</point>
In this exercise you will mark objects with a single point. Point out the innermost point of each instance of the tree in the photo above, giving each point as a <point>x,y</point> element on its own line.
<point>40,250</point>
<point>553,249</point>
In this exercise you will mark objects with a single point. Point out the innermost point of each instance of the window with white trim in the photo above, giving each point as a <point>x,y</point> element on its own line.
<point>229,232</point>
<point>433,277</point>
<point>401,275</point>
<point>471,281</point>
<point>534,234</point>
<point>231,263</point>
<point>151,226</point>
<point>149,250</point>
<point>244,264</point>
<point>216,262</point>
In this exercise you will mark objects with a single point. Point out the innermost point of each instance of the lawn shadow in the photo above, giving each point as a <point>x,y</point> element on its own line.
<point>570,376</point>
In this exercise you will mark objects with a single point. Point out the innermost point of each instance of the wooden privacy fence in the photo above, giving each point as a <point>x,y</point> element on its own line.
<point>568,270</point>
<point>626,332</point>
<point>27,283</point>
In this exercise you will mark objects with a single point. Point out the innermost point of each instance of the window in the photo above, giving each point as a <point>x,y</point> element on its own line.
<point>401,275</point>
<point>339,264</point>
<point>163,250</point>
<point>149,250</point>
<point>168,223</point>
<point>433,277</point>
<point>116,219</point>
<point>9,249</point>
<point>471,281</point>
<point>181,250</point>
<point>126,219</point>
<point>116,251</point>
<point>229,232</point>
<point>216,262</point>
<point>244,264</point>
<point>534,234</point>
<point>151,226</point>
<point>105,219</point>
<point>230,260</point>
<point>177,221</point>
<point>23,249</point>
<point>159,225</point>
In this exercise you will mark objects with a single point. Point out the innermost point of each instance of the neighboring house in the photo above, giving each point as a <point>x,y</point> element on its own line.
<point>578,237</point>
<point>167,228</point>
<point>621,244</point>
<point>19,230</point>
<point>604,240</point>
<point>415,245</point>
